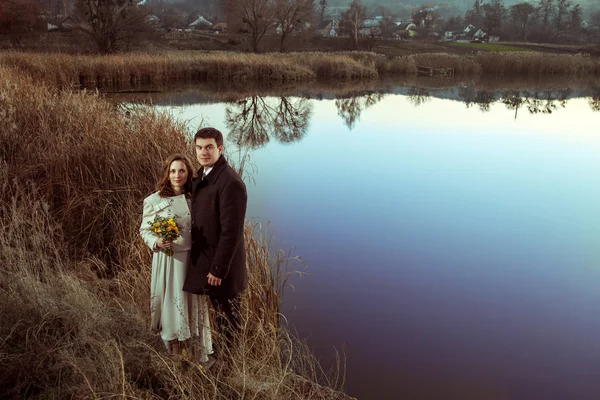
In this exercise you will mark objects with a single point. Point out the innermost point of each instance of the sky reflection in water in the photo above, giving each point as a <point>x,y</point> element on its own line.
<point>453,252</point>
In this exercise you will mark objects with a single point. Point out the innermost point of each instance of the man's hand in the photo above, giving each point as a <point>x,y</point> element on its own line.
<point>213,280</point>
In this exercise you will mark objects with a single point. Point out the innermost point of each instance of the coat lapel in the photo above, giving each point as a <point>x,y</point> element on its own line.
<point>217,169</point>
<point>196,183</point>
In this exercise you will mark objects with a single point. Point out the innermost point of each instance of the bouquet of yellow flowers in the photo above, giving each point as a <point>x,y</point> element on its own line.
<point>166,229</point>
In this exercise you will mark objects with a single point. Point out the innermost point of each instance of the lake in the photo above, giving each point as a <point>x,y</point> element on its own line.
<point>451,234</point>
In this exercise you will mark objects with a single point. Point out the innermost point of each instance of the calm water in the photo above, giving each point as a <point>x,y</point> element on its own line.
<point>452,236</point>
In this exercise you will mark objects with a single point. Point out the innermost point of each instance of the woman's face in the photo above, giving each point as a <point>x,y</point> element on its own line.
<point>178,174</point>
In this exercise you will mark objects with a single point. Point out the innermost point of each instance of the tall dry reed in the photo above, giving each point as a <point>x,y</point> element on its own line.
<point>526,63</point>
<point>92,164</point>
<point>124,71</point>
<point>74,287</point>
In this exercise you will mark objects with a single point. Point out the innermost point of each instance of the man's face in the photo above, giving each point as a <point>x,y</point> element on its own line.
<point>208,152</point>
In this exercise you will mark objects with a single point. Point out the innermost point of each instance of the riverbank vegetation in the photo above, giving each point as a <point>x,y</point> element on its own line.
<point>134,70</point>
<point>74,287</point>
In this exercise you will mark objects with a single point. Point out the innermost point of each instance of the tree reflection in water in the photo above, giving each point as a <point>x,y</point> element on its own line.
<point>254,120</point>
<point>594,101</point>
<point>535,102</point>
<point>350,108</point>
<point>418,95</point>
<point>482,98</point>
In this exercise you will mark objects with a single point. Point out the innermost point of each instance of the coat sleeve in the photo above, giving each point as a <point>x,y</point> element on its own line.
<point>145,230</point>
<point>232,212</point>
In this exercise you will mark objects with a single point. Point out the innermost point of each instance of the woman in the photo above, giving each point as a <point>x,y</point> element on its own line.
<point>177,315</point>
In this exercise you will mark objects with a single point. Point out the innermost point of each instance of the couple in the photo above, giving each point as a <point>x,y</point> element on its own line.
<point>209,260</point>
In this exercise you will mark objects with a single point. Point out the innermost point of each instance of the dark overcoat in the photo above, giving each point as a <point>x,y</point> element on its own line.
<point>218,213</point>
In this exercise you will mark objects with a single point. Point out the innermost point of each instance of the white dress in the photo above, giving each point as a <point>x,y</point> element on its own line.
<point>175,314</point>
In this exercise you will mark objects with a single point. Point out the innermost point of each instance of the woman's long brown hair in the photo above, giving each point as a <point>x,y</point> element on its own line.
<point>164,185</point>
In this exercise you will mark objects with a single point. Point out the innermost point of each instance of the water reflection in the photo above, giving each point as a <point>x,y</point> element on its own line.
<point>418,95</point>
<point>594,101</point>
<point>349,108</point>
<point>478,233</point>
<point>254,120</point>
<point>482,98</point>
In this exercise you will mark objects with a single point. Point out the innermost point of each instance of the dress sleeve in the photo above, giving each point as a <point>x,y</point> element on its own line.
<point>145,230</point>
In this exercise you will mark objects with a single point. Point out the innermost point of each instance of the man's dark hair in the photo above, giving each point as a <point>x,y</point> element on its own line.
<point>210,133</point>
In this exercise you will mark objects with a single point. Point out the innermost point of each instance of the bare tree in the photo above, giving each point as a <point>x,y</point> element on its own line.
<point>575,20</point>
<point>17,14</point>
<point>546,10</point>
<point>561,14</point>
<point>595,18</point>
<point>322,8</point>
<point>258,17</point>
<point>292,16</point>
<point>18,17</point>
<point>386,25</point>
<point>110,23</point>
<point>522,15</point>
<point>474,16</point>
<point>353,19</point>
<point>494,14</point>
<point>594,29</point>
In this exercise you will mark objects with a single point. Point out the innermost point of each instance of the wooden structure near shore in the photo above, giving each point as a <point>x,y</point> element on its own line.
<point>435,72</point>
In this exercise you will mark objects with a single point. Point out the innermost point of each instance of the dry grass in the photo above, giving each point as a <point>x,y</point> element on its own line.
<point>538,64</point>
<point>118,71</point>
<point>138,69</point>
<point>74,287</point>
<point>91,163</point>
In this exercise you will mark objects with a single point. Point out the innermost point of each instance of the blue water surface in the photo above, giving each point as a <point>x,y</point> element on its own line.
<point>452,253</point>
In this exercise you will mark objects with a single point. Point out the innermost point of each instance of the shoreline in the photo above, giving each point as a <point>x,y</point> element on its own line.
<point>126,71</point>
<point>75,287</point>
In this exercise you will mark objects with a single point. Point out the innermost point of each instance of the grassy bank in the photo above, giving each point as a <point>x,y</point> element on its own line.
<point>133,70</point>
<point>490,47</point>
<point>74,287</point>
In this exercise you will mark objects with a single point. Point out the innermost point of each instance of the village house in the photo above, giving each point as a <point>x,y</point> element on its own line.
<point>406,31</point>
<point>470,34</point>
<point>328,28</point>
<point>153,21</point>
<point>200,24</point>
<point>371,27</point>
<point>219,27</point>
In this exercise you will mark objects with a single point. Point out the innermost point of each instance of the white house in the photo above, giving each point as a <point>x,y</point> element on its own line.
<point>328,27</point>
<point>200,24</point>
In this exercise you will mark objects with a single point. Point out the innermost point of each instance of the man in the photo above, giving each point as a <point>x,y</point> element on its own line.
<point>218,258</point>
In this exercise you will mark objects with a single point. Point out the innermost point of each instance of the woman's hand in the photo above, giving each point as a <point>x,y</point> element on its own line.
<point>163,245</point>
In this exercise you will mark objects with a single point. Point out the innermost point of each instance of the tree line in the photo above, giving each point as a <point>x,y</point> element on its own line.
<point>115,24</point>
